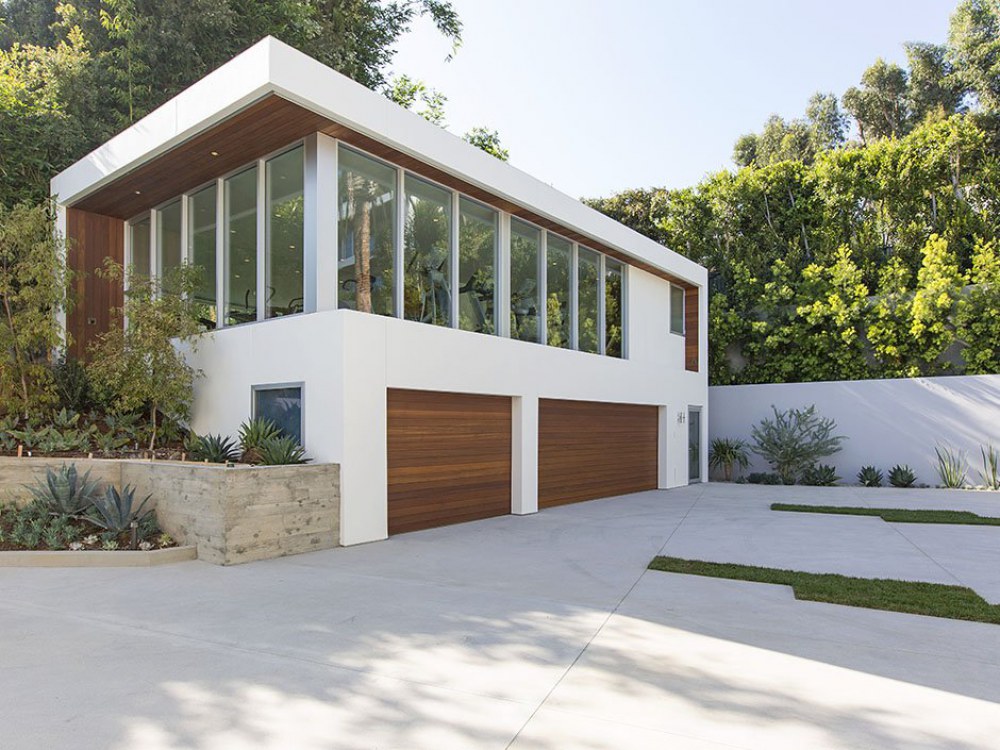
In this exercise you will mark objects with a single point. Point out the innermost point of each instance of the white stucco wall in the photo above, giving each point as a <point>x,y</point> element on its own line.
<point>887,422</point>
<point>346,360</point>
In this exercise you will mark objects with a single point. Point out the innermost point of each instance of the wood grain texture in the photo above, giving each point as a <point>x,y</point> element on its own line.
<point>91,238</point>
<point>449,458</point>
<point>691,329</point>
<point>267,125</point>
<point>588,450</point>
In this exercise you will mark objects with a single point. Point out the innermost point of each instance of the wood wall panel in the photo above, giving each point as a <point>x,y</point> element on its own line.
<point>588,450</point>
<point>90,239</point>
<point>449,458</point>
<point>691,329</point>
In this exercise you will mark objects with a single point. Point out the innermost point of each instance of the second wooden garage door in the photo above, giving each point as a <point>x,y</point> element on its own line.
<point>588,450</point>
<point>449,458</point>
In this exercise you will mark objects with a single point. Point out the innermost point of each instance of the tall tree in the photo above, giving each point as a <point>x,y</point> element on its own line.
<point>879,105</point>
<point>974,49</point>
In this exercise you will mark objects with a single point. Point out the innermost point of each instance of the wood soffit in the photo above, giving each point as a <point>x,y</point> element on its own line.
<point>265,126</point>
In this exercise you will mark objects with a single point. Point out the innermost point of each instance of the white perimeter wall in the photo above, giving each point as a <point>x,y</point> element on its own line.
<point>346,360</point>
<point>886,422</point>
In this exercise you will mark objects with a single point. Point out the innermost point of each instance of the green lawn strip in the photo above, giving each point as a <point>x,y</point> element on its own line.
<point>896,515</point>
<point>912,597</point>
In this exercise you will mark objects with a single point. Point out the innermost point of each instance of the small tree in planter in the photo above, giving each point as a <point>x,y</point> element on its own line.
<point>726,454</point>
<point>794,440</point>
<point>139,365</point>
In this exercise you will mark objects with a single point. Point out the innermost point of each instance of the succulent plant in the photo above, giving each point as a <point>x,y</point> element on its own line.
<point>253,433</point>
<point>64,492</point>
<point>821,475</point>
<point>279,451</point>
<point>869,476</point>
<point>902,476</point>
<point>216,449</point>
<point>115,511</point>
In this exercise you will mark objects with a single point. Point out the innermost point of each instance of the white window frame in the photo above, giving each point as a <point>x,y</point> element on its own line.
<point>675,289</point>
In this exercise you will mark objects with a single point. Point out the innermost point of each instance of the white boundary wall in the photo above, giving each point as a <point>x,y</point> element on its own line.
<point>886,422</point>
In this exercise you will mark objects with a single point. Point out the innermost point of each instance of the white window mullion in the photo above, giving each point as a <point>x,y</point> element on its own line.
<point>502,281</point>
<point>221,260</point>
<point>262,216</point>
<point>453,281</point>
<point>574,297</point>
<point>398,268</point>
<point>543,288</point>
<point>185,233</point>
<point>601,304</point>
<point>623,307</point>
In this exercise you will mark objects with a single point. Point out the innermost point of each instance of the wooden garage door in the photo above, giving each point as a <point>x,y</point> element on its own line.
<point>588,450</point>
<point>449,458</point>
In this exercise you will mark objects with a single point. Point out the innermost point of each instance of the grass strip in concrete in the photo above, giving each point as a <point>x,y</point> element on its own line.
<point>896,515</point>
<point>912,597</point>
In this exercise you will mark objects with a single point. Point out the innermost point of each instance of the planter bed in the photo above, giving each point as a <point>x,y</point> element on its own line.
<point>96,558</point>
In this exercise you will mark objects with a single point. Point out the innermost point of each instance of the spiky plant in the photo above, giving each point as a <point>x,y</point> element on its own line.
<point>216,449</point>
<point>869,476</point>
<point>821,475</point>
<point>253,434</point>
<point>991,467</point>
<point>115,511</point>
<point>952,467</point>
<point>727,454</point>
<point>64,492</point>
<point>902,476</point>
<point>278,451</point>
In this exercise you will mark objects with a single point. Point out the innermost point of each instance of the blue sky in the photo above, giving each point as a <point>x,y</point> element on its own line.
<point>597,96</point>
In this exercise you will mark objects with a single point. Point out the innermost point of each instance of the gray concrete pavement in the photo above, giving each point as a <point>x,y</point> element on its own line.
<point>528,632</point>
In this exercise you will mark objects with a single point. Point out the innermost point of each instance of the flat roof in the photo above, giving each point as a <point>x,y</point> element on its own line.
<point>229,102</point>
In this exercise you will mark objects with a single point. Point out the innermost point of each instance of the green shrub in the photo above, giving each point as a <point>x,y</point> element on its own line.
<point>278,451</point>
<point>72,385</point>
<point>253,434</point>
<point>726,454</point>
<point>869,476</point>
<point>64,493</point>
<point>794,440</point>
<point>951,467</point>
<point>764,477</point>
<point>902,476</point>
<point>821,475</point>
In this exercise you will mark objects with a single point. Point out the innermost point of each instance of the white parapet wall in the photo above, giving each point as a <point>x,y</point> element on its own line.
<point>886,422</point>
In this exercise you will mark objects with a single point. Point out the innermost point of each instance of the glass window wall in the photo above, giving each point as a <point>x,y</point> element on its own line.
<point>427,253</point>
<point>284,283</point>
<point>477,262</point>
<point>525,243</point>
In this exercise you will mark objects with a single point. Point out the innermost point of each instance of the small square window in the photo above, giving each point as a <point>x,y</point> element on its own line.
<point>283,406</point>
<point>676,310</point>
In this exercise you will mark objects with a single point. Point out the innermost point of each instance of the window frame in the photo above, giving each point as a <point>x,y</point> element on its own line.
<point>300,384</point>
<point>680,292</point>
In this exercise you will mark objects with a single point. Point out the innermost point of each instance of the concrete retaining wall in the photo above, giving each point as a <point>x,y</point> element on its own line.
<point>232,514</point>
<point>886,422</point>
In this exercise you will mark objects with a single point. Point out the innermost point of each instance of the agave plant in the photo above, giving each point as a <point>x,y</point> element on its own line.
<point>115,511</point>
<point>902,476</point>
<point>253,434</point>
<point>216,449</point>
<point>821,475</point>
<point>64,492</point>
<point>869,476</point>
<point>278,451</point>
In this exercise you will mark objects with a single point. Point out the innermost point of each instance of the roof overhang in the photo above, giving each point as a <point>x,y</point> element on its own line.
<point>271,95</point>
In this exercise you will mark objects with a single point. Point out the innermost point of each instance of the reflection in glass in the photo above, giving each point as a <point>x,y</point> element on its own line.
<point>168,241</point>
<point>427,253</point>
<point>588,291</point>
<point>285,234</point>
<point>366,233</point>
<point>477,251</point>
<point>139,242</point>
<point>283,406</point>
<point>241,247</point>
<point>612,307</point>
<point>558,316</point>
<point>524,288</point>
<point>202,240</point>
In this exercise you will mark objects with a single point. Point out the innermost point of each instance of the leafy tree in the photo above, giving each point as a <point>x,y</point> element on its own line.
<point>824,127</point>
<point>933,88</point>
<point>974,49</point>
<point>411,94</point>
<point>488,141</point>
<point>141,363</point>
<point>794,440</point>
<point>879,105</point>
<point>33,286</point>
<point>977,319</point>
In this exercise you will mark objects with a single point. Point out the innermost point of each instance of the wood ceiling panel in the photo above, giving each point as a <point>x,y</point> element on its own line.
<point>266,126</point>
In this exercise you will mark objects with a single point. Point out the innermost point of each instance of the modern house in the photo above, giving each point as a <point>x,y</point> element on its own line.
<point>463,339</point>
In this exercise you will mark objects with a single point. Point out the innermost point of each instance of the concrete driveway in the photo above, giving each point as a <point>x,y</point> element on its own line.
<point>526,632</point>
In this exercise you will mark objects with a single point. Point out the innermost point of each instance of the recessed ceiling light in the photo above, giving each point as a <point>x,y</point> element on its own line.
<point>138,192</point>
<point>215,153</point>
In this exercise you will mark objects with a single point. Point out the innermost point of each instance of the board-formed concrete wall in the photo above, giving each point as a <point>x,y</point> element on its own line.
<point>886,422</point>
<point>233,514</point>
